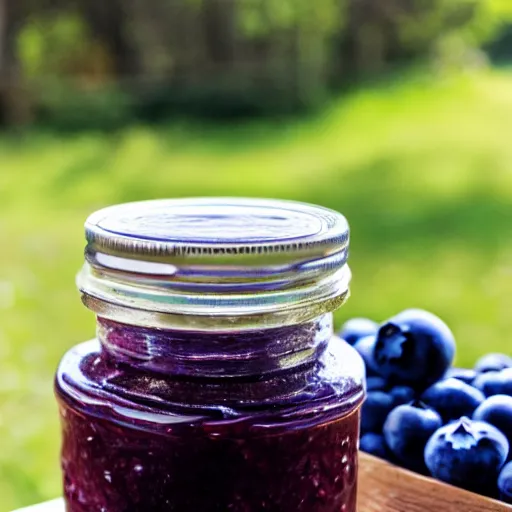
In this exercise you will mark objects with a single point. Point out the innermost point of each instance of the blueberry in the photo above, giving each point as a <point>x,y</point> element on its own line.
<point>493,363</point>
<point>402,394</point>
<point>414,348</point>
<point>505,483</point>
<point>451,398</point>
<point>375,382</point>
<point>495,383</point>
<point>375,410</point>
<point>464,374</point>
<point>497,410</point>
<point>374,444</point>
<point>503,386</point>
<point>486,382</point>
<point>468,454</point>
<point>356,328</point>
<point>407,429</point>
<point>365,348</point>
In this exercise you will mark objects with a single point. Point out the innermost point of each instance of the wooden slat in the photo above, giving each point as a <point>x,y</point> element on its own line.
<point>387,488</point>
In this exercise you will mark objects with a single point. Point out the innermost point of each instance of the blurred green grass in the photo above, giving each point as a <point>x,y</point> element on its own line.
<point>421,166</point>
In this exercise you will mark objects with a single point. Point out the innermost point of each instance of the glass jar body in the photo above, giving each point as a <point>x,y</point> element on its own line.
<point>185,421</point>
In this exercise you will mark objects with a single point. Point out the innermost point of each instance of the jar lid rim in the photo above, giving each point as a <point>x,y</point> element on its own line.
<point>227,229</point>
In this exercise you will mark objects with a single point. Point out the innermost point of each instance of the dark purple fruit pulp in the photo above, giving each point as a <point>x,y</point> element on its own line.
<point>210,422</point>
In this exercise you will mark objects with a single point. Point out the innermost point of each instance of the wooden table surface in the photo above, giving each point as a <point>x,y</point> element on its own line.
<point>387,488</point>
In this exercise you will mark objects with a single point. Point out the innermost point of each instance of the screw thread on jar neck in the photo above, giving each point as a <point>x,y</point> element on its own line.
<point>216,354</point>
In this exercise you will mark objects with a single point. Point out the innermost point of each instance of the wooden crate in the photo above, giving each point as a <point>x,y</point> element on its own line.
<point>384,487</point>
<point>387,488</point>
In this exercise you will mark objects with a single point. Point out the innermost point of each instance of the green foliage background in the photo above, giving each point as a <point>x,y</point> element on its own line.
<point>421,165</point>
<point>411,143</point>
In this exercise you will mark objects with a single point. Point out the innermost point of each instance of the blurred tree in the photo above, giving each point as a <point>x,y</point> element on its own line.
<point>222,55</point>
<point>218,18</point>
<point>500,46</point>
<point>15,106</point>
<point>108,22</point>
<point>382,31</point>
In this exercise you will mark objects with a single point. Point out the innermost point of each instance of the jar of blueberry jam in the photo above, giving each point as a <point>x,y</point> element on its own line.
<point>214,383</point>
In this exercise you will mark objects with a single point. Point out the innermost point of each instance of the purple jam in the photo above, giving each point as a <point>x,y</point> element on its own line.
<point>194,421</point>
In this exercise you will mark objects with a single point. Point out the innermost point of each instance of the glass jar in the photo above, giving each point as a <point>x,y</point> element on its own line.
<point>215,383</point>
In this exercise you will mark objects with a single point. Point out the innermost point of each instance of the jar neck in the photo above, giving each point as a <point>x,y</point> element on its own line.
<point>204,354</point>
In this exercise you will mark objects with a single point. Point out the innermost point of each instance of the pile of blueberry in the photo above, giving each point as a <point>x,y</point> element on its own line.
<point>425,415</point>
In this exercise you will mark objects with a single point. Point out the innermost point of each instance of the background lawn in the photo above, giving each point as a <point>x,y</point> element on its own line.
<point>422,168</point>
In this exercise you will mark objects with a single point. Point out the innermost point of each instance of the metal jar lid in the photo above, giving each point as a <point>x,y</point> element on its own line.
<point>219,262</point>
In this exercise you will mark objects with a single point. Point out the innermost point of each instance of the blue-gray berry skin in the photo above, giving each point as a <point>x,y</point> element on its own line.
<point>464,374</point>
<point>374,383</point>
<point>356,328</point>
<point>486,382</point>
<point>468,454</point>
<point>375,410</point>
<point>402,394</point>
<point>451,398</point>
<point>495,383</point>
<point>497,410</point>
<point>407,429</point>
<point>375,444</point>
<point>365,347</point>
<point>505,483</point>
<point>493,362</point>
<point>414,348</point>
